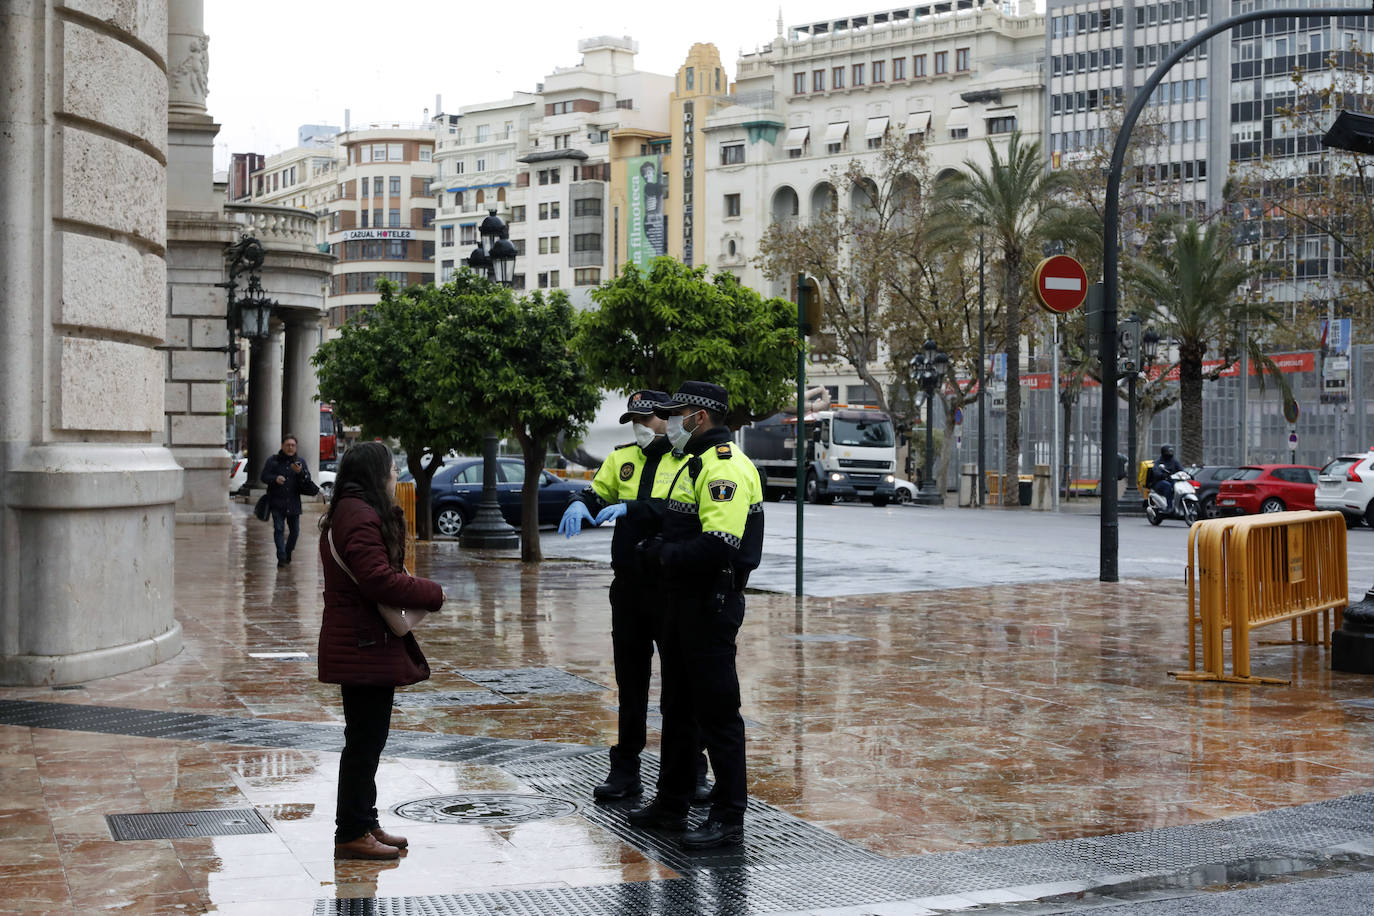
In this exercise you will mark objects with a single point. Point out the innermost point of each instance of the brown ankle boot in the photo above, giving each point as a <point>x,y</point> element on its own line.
<point>390,839</point>
<point>365,847</point>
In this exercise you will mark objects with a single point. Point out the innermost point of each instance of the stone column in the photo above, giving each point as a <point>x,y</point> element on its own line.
<point>197,233</point>
<point>264,403</point>
<point>87,490</point>
<point>300,409</point>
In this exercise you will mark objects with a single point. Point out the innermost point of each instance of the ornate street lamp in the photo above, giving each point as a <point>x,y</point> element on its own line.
<point>928,368</point>
<point>494,258</point>
<point>250,316</point>
<point>1150,342</point>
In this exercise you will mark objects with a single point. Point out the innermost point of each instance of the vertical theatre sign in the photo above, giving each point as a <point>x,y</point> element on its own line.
<point>688,170</point>
<point>645,234</point>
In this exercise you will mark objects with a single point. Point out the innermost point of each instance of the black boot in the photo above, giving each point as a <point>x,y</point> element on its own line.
<point>655,816</point>
<point>712,834</point>
<point>702,794</point>
<point>619,784</point>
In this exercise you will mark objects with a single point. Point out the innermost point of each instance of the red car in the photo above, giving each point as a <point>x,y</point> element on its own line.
<point>1268,488</point>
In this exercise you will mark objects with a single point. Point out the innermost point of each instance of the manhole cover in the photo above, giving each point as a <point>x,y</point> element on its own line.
<point>492,809</point>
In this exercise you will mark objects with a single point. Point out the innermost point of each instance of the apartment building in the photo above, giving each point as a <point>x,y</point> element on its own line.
<point>381,214</point>
<point>303,178</point>
<point>1100,53</point>
<point>542,160</point>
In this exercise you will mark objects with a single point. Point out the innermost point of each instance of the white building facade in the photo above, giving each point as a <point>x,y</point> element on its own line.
<point>839,87</point>
<point>542,161</point>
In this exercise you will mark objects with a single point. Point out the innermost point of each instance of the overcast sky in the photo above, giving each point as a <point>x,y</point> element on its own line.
<point>277,65</point>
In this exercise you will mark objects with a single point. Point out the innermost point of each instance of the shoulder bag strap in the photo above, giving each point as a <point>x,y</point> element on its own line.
<point>329,536</point>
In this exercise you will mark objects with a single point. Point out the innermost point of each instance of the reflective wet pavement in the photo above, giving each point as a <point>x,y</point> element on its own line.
<point>887,725</point>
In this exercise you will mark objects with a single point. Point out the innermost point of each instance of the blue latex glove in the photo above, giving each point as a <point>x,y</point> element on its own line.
<point>573,517</point>
<point>613,511</point>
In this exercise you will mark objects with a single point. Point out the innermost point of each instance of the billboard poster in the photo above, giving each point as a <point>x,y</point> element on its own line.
<point>1335,361</point>
<point>645,233</point>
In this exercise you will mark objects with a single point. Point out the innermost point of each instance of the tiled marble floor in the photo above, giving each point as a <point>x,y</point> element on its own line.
<point>955,718</point>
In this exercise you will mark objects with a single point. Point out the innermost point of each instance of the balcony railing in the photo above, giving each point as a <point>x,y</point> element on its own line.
<point>277,227</point>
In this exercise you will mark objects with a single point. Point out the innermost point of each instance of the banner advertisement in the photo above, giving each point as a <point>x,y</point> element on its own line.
<point>645,234</point>
<point>1335,361</point>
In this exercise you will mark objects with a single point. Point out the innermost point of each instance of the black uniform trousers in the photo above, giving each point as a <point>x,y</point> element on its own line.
<point>635,622</point>
<point>367,722</point>
<point>701,702</point>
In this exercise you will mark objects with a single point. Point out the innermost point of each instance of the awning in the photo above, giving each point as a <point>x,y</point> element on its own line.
<point>918,122</point>
<point>876,127</point>
<point>796,137</point>
<point>958,117</point>
<point>835,133</point>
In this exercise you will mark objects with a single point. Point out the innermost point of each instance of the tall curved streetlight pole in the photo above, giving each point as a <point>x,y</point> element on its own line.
<point>1111,245</point>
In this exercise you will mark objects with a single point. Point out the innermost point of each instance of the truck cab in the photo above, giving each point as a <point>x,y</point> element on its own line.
<point>851,453</point>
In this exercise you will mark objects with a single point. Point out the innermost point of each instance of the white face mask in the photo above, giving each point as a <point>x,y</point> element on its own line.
<point>678,435</point>
<point>644,435</point>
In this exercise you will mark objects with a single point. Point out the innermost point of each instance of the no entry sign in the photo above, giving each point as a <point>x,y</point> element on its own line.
<point>1061,283</point>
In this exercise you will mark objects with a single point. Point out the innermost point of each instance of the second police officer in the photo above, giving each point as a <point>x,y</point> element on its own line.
<point>624,489</point>
<point>712,539</point>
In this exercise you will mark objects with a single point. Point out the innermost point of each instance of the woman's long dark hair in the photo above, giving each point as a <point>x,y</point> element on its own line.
<point>364,471</point>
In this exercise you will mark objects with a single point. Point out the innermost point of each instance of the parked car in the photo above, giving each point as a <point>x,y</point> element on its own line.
<point>456,491</point>
<point>238,475</point>
<point>1268,488</point>
<point>1208,479</point>
<point>325,480</point>
<point>1346,485</point>
<point>906,490</point>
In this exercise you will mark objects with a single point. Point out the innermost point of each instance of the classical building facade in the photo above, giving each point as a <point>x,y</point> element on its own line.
<point>823,94</point>
<point>88,488</point>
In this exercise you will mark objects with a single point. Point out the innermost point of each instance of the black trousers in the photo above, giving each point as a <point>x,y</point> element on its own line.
<point>701,703</point>
<point>367,722</point>
<point>635,622</point>
<point>281,521</point>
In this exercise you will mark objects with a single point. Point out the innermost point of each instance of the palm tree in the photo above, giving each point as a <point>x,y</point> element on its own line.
<point>1187,288</point>
<point>1014,201</point>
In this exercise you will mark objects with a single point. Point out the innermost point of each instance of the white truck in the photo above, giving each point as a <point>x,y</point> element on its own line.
<point>851,453</point>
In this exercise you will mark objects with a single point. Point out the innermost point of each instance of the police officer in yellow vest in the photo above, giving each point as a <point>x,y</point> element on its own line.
<point>712,539</point>
<point>630,487</point>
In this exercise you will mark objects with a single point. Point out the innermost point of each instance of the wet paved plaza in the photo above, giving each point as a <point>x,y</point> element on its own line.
<point>939,729</point>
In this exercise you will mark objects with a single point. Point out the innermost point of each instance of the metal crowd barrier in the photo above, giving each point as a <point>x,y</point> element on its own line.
<point>1247,572</point>
<point>405,498</point>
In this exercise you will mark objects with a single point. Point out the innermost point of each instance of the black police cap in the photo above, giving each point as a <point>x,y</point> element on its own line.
<point>696,394</point>
<point>642,404</point>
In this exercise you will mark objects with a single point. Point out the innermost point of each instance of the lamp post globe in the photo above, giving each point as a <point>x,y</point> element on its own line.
<point>502,258</point>
<point>480,262</point>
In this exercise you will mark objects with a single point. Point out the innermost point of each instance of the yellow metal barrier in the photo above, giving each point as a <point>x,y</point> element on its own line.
<point>1244,573</point>
<point>405,498</point>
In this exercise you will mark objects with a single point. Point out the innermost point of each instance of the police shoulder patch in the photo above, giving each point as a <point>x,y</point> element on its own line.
<point>627,470</point>
<point>722,491</point>
<point>722,451</point>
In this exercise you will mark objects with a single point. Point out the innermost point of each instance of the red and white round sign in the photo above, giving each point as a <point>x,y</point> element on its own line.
<point>1061,283</point>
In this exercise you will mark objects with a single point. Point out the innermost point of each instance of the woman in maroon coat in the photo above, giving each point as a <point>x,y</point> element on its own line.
<point>357,650</point>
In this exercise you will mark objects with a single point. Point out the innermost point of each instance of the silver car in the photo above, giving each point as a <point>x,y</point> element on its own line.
<point>1346,485</point>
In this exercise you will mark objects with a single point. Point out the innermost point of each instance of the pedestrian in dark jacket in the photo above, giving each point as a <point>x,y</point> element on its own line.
<point>287,477</point>
<point>357,650</point>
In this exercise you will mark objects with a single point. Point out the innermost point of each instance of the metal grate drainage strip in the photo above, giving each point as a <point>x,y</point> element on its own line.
<point>178,825</point>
